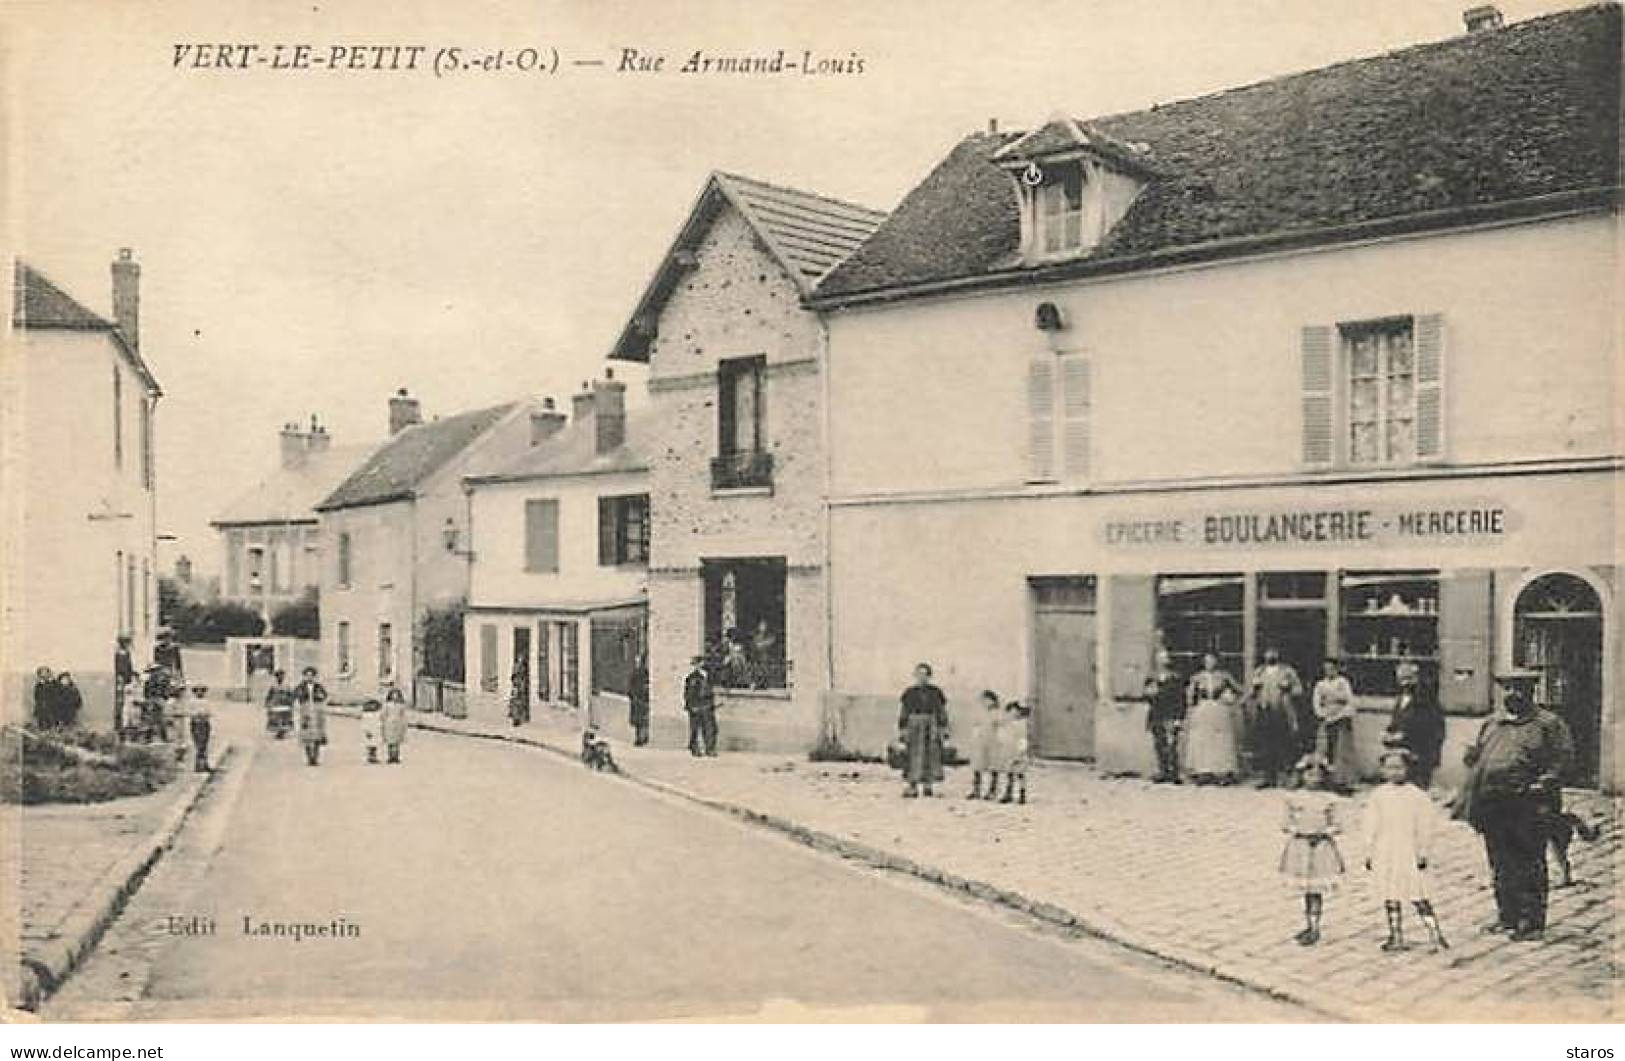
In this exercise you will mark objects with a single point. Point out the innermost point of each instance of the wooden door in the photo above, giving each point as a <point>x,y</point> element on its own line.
<point>1063,723</point>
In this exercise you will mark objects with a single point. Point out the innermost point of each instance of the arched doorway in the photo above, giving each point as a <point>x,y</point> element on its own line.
<point>1557,630</point>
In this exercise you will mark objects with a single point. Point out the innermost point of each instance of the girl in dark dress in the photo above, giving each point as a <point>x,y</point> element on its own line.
<point>922,724</point>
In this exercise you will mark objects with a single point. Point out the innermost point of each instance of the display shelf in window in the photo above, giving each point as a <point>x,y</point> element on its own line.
<point>1197,614</point>
<point>1389,618</point>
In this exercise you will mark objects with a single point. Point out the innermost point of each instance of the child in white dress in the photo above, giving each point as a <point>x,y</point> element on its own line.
<point>1399,821</point>
<point>1014,741</point>
<point>985,752</point>
<point>1310,862</point>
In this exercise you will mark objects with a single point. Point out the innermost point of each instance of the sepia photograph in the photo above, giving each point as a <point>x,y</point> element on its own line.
<point>545,512</point>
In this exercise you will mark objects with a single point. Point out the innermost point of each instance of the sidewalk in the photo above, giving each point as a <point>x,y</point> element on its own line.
<point>1182,872</point>
<point>77,865</point>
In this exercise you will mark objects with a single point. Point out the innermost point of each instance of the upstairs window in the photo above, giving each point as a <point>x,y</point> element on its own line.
<point>1060,210</point>
<point>1060,408</point>
<point>742,457</point>
<point>346,560</point>
<point>1373,392</point>
<point>623,530</point>
<point>541,536</point>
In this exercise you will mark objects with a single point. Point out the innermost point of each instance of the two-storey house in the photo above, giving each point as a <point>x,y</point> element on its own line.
<point>558,611</point>
<point>1328,364</point>
<point>395,536</point>
<point>79,487</point>
<point>736,476</point>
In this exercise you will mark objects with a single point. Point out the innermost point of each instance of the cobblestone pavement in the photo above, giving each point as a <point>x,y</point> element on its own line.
<point>1190,873</point>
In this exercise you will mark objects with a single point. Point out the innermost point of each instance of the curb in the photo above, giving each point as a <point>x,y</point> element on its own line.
<point>45,964</point>
<point>1097,927</point>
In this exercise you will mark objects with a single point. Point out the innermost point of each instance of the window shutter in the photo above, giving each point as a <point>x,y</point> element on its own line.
<point>1041,420</point>
<point>606,531</point>
<point>1316,354</point>
<point>541,535</point>
<point>1464,641</point>
<point>544,673</point>
<point>1429,387</point>
<point>1076,405</point>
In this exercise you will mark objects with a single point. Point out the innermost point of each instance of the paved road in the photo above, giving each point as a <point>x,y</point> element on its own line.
<point>500,882</point>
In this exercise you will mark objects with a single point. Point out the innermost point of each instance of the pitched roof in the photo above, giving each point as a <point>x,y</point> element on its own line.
<point>1425,137</point>
<point>36,302</point>
<point>573,450</point>
<point>399,466</point>
<point>290,495</point>
<point>806,234</point>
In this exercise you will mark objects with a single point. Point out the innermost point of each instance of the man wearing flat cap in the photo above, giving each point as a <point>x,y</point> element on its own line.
<point>1515,774</point>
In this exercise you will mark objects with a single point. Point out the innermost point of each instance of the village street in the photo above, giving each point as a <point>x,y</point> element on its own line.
<point>492,880</point>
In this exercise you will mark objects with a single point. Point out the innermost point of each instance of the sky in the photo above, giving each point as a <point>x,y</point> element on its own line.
<point>311,240</point>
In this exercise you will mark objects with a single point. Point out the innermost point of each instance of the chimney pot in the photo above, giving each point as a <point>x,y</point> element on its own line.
<point>545,422</point>
<point>127,297</point>
<point>404,411</point>
<point>1482,18</point>
<point>993,125</point>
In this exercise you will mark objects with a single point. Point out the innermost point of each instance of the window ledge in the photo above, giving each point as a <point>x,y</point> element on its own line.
<point>742,491</point>
<point>753,694</point>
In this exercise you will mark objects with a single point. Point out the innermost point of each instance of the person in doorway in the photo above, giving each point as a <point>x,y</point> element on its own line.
<point>310,701</point>
<point>987,747</point>
<point>46,710</point>
<point>637,698</point>
<point>1398,826</point>
<point>1417,724</point>
<point>1310,862</point>
<point>1514,778</point>
<point>922,727</point>
<point>69,702</point>
<point>1333,703</point>
<point>1211,724</point>
<point>392,723</point>
<point>1165,716</point>
<point>700,701</point>
<point>1014,738</point>
<point>1274,691</point>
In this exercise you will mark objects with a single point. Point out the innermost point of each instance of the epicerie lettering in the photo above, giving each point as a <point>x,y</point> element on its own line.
<point>1146,532</point>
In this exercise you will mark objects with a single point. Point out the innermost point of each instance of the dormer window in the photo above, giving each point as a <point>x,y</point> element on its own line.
<point>1060,209</point>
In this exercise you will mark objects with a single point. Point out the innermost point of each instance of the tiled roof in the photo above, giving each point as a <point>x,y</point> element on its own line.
<point>400,465</point>
<point>574,451</point>
<point>1421,137</point>
<point>289,495</point>
<point>38,303</point>
<point>807,234</point>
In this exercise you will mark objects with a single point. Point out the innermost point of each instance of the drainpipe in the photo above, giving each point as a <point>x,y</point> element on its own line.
<point>826,520</point>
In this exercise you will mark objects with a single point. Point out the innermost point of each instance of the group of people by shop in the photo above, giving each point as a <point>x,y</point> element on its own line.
<point>1211,729</point>
<point>383,718</point>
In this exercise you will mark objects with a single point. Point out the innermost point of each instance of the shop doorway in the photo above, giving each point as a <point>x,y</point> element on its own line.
<point>1557,631</point>
<point>1063,720</point>
<point>1292,618</point>
<point>521,666</point>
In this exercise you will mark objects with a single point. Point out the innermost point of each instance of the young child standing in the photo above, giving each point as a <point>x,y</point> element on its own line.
<point>988,747</point>
<point>372,728</point>
<point>1013,736</point>
<point>1310,861</point>
<point>1399,820</point>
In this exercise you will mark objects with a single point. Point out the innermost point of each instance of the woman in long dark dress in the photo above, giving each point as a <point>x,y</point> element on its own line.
<point>922,724</point>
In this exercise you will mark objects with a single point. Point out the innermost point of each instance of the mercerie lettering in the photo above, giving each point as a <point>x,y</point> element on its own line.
<point>1447,522</point>
<point>1352,525</point>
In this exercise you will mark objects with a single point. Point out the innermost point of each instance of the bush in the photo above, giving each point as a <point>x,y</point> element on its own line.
<point>302,618</point>
<point>40,771</point>
<point>211,624</point>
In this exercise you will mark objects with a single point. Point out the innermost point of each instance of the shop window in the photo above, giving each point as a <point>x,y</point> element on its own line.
<point>1197,614</point>
<point>569,683</point>
<point>615,643</point>
<point>745,621</point>
<point>623,530</point>
<point>1389,618</point>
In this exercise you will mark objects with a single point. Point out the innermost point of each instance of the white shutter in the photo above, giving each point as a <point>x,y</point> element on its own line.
<point>1076,405</point>
<point>1315,349</point>
<point>1429,387</point>
<point>1041,420</point>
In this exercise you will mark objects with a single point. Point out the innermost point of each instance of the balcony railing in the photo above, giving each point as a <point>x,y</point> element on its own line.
<point>742,470</point>
<point>745,673</point>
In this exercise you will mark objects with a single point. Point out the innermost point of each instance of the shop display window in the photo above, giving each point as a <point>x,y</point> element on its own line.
<point>1388,618</point>
<point>1202,613</point>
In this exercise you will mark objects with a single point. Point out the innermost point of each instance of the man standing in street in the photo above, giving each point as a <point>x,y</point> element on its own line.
<point>167,654</point>
<point>637,696</point>
<point>1165,717</point>
<point>310,700</point>
<point>1275,690</point>
<point>123,675</point>
<point>700,701</point>
<point>1514,778</point>
<point>1417,724</point>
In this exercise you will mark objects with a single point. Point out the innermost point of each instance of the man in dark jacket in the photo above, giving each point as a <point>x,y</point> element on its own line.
<point>47,712</point>
<point>123,675</point>
<point>167,654</point>
<point>1417,724</point>
<point>637,695</point>
<point>1165,716</point>
<point>700,701</point>
<point>1514,777</point>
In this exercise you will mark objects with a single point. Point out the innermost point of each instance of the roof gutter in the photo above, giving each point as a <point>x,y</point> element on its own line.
<point>1544,207</point>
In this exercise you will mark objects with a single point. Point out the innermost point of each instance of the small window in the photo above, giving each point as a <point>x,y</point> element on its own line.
<point>623,530</point>
<point>118,417</point>
<point>1060,210</point>
<point>386,653</point>
<point>740,419</point>
<point>345,661</point>
<point>256,567</point>
<point>541,536</point>
<point>346,559</point>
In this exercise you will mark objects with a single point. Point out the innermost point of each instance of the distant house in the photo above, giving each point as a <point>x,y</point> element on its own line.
<point>558,607</point>
<point>271,545</point>
<point>736,455</point>
<point>78,409</point>
<point>395,541</point>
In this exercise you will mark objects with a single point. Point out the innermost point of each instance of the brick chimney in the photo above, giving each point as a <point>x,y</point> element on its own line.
<point>318,439</point>
<point>298,444</point>
<point>404,411</point>
<point>609,412</point>
<point>1481,18</point>
<point>127,297</point>
<point>581,403</point>
<point>545,422</point>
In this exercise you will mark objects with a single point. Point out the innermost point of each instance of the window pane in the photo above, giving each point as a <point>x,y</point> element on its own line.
<point>1401,395</point>
<point>1363,443</point>
<point>1401,440</point>
<point>1363,401</point>
<point>1363,358</point>
<point>1401,356</point>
